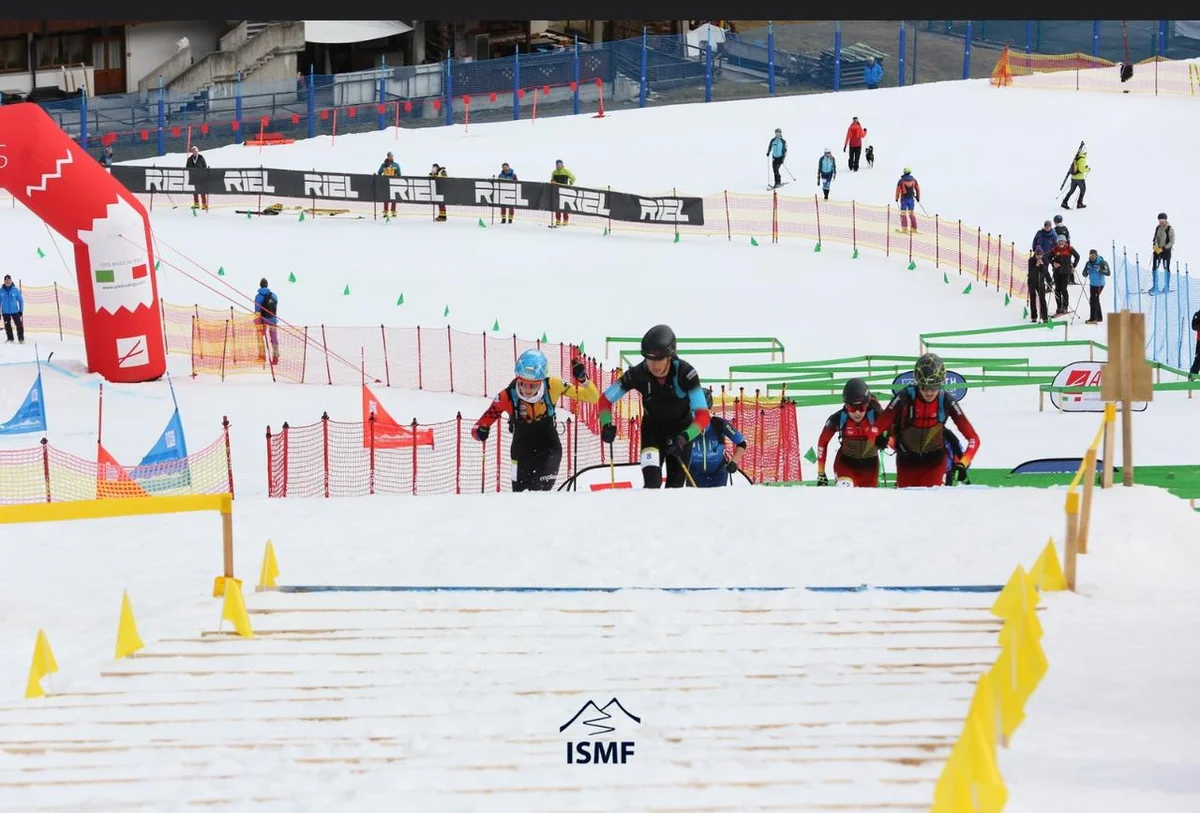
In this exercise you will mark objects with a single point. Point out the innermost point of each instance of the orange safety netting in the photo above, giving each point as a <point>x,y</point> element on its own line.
<point>1079,71</point>
<point>47,474</point>
<point>328,458</point>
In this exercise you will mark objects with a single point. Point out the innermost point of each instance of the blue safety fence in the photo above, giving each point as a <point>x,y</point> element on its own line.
<point>1168,298</point>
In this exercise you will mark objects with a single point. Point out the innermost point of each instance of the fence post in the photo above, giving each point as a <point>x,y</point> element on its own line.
<point>708,75</point>
<point>311,101</point>
<point>485,389</point>
<point>967,53</point>
<point>1095,38</point>
<point>162,118</point>
<point>728,227</point>
<point>1089,482</point>
<point>325,450</point>
<point>381,105</point>
<point>237,111</point>
<point>450,354</point>
<point>58,311</point>
<point>457,453</point>
<point>228,453</point>
<point>498,453</point>
<point>371,460</point>
<point>900,68</point>
<point>83,119</point>
<point>517,84</point>
<point>224,349</point>
<point>448,93</point>
<point>837,55</point>
<point>387,370</point>
<point>420,369</point>
<point>642,82</point>
<point>887,233</point>
<point>817,208</point>
<point>1072,543</point>
<point>46,465</point>
<point>575,77</point>
<point>284,484</point>
<point>854,225</point>
<point>960,248</point>
<point>770,57</point>
<point>325,351</point>
<point>270,467</point>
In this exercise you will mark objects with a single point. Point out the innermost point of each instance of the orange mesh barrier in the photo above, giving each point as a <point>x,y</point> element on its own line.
<point>328,458</point>
<point>1079,71</point>
<point>47,474</point>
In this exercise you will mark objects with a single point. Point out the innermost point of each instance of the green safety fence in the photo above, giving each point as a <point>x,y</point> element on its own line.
<point>749,344</point>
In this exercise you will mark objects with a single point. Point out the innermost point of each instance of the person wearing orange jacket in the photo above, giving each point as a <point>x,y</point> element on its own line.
<point>854,139</point>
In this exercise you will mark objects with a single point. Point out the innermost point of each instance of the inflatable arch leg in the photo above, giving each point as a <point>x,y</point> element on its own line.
<point>43,168</point>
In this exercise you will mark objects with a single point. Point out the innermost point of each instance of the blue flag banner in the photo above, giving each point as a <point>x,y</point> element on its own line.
<point>165,466</point>
<point>953,384</point>
<point>31,415</point>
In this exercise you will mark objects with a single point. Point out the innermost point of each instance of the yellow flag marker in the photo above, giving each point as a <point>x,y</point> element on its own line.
<point>43,664</point>
<point>234,609</point>
<point>128,640</point>
<point>270,569</point>
<point>1047,573</point>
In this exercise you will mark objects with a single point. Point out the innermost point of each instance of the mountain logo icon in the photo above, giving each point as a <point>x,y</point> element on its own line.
<point>600,719</point>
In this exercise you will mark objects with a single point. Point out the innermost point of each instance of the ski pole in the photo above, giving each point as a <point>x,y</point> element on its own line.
<point>923,208</point>
<point>1075,312</point>
<point>612,467</point>
<point>789,172</point>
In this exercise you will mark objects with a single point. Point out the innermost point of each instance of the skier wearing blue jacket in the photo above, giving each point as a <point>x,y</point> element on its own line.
<point>12,306</point>
<point>777,152</point>
<point>1096,271</point>
<point>266,307</point>
<point>708,465</point>
<point>506,174</point>
<point>826,171</point>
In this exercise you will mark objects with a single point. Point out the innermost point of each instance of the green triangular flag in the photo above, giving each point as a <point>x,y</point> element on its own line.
<point>945,278</point>
<point>855,255</point>
<point>157,264</point>
<point>301,218</point>
<point>1025,312</point>
<point>482,224</point>
<point>248,216</point>
<point>496,325</point>
<point>544,339</point>
<point>221,271</point>
<point>817,247</point>
<point>41,253</point>
<point>1007,299</point>
<point>446,312</point>
<point>912,265</point>
<point>581,347</point>
<point>967,290</point>
<point>753,242</point>
<point>676,237</point>
<point>605,232</point>
<point>291,276</point>
<point>346,291</point>
<point>810,455</point>
<point>194,212</point>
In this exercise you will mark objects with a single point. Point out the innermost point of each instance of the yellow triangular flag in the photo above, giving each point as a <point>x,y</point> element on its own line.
<point>986,784</point>
<point>1016,597</point>
<point>1031,658</point>
<point>1003,677</point>
<point>270,569</point>
<point>984,707</point>
<point>234,609</point>
<point>128,640</point>
<point>952,792</point>
<point>1047,573</point>
<point>43,664</point>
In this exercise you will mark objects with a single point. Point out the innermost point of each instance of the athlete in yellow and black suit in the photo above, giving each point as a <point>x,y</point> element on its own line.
<point>389,169</point>
<point>529,400</point>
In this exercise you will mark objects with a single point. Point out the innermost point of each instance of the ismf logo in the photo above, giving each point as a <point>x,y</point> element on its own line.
<point>1081,378</point>
<point>597,722</point>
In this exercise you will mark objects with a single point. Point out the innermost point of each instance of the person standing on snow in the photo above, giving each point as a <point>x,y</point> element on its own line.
<point>506,174</point>
<point>12,307</point>
<point>916,419</point>
<point>437,171</point>
<point>1038,282</point>
<point>826,171</point>
<point>266,305</point>
<point>528,400</point>
<point>1079,171</point>
<point>872,74</point>
<point>196,161</point>
<point>1095,271</point>
<point>1164,241</point>
<point>708,465</point>
<point>777,152</point>
<point>674,408</point>
<point>908,195</point>
<point>389,169</point>
<point>855,134</point>
<point>1063,258</point>
<point>858,457</point>
<point>561,176</point>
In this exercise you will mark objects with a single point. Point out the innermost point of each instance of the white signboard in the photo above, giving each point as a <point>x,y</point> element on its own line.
<point>1082,374</point>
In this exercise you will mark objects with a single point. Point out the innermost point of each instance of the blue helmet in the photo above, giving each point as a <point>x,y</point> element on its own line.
<point>532,365</point>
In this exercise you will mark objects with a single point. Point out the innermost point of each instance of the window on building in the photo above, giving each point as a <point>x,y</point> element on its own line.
<point>63,49</point>
<point>14,55</point>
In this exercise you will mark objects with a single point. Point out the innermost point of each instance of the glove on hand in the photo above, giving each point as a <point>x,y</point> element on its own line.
<point>731,467</point>
<point>822,480</point>
<point>480,433</point>
<point>676,446</point>
<point>608,433</point>
<point>579,371</point>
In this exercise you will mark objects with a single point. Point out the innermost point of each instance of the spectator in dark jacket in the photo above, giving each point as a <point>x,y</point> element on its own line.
<point>196,161</point>
<point>1045,239</point>
<point>1038,283</point>
<point>1059,228</point>
<point>266,307</point>
<point>1164,241</point>
<point>389,169</point>
<point>1063,259</point>
<point>12,306</point>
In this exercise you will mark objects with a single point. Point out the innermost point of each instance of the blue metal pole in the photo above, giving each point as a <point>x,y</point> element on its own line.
<point>1095,38</point>
<point>967,53</point>
<point>837,55</point>
<point>448,100</point>
<point>1029,36</point>
<point>708,66</point>
<point>516,85</point>
<point>1162,38</point>
<point>237,110</point>
<point>312,101</point>
<point>916,39</point>
<point>645,57</point>
<point>575,74</point>
<point>382,94</point>
<point>900,70</point>
<point>83,117</point>
<point>770,57</point>
<point>162,118</point>
<point>1123,278</point>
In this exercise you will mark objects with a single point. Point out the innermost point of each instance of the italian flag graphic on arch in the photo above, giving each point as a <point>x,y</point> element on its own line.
<point>119,258</point>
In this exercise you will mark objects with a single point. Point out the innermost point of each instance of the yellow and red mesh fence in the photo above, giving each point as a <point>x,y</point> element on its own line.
<point>1079,71</point>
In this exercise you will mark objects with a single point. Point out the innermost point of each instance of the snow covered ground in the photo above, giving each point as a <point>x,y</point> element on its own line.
<point>749,699</point>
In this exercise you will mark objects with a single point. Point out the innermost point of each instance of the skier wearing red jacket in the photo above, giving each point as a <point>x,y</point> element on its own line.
<point>853,143</point>
<point>916,419</point>
<point>857,458</point>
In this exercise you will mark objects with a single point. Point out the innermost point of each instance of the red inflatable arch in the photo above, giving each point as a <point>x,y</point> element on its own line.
<point>43,168</point>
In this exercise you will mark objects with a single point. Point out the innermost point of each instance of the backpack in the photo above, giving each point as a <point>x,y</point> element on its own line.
<point>269,304</point>
<point>1196,320</point>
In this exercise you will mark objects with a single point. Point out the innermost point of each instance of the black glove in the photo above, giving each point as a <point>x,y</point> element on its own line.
<point>677,446</point>
<point>731,467</point>
<point>608,433</point>
<point>957,473</point>
<point>822,480</point>
<point>481,432</point>
<point>881,441</point>
<point>578,371</point>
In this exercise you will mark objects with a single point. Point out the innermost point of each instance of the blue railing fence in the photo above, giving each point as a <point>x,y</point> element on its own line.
<point>1167,298</point>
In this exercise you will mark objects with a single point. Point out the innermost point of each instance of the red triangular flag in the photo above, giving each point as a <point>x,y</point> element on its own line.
<point>112,481</point>
<point>389,433</point>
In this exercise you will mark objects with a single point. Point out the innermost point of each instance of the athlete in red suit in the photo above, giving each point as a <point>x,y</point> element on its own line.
<point>857,457</point>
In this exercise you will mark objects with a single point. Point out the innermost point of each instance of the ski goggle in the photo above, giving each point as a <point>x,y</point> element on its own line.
<point>930,389</point>
<point>856,407</point>
<point>530,390</point>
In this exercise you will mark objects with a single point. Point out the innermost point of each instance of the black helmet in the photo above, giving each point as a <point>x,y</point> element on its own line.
<point>930,371</point>
<point>856,392</point>
<point>1162,215</point>
<point>659,342</point>
<point>1058,218</point>
<point>708,396</point>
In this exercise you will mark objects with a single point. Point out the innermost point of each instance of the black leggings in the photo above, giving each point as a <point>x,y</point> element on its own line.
<point>535,469</point>
<point>654,440</point>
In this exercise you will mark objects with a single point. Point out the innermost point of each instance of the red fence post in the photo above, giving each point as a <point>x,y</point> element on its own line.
<point>450,353</point>
<point>728,227</point>
<point>485,389</point>
<point>325,350</point>
<point>58,311</point>
<point>283,490</point>
<point>854,225</point>
<point>325,450</point>
<point>414,462</point>
<point>420,373</point>
<point>46,465</point>
<point>371,471</point>
<point>304,356</point>
<point>458,453</point>
<point>270,468</point>
<point>228,453</point>
<point>387,370</point>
